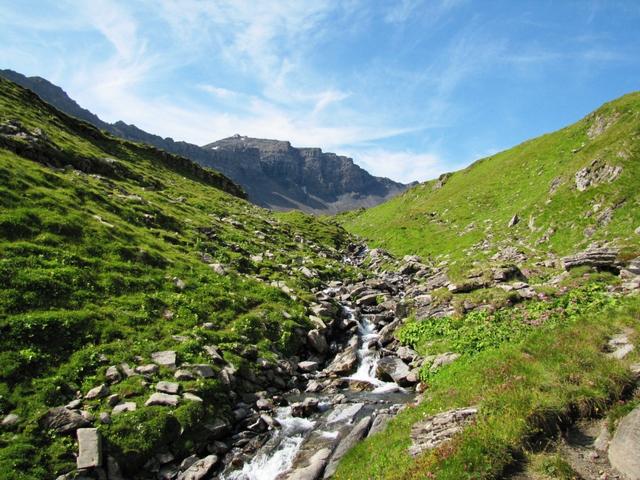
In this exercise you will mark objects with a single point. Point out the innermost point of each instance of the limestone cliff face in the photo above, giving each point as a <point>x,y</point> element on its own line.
<point>272,172</point>
<point>306,178</point>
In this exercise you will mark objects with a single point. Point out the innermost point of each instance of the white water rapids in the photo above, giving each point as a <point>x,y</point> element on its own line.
<point>269,463</point>
<point>368,357</point>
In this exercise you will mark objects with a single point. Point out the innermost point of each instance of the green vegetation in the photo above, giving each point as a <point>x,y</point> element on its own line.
<point>105,253</point>
<point>550,375</point>
<point>480,330</point>
<point>463,217</point>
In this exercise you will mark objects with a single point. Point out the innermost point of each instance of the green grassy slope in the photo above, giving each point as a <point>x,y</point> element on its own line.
<point>476,204</point>
<point>105,248</point>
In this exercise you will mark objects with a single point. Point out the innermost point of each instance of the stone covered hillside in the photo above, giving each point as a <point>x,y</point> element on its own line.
<point>142,297</point>
<point>548,197</point>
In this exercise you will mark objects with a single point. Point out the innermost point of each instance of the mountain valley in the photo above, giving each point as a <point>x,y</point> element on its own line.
<point>157,324</point>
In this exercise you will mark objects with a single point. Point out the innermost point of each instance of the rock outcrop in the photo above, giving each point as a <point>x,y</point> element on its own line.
<point>437,429</point>
<point>624,449</point>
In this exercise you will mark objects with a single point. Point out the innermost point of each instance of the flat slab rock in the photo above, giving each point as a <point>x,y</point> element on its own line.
<point>437,429</point>
<point>90,448</point>
<point>624,449</point>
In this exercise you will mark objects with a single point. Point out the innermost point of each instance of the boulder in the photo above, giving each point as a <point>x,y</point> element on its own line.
<point>514,221</point>
<point>162,399</point>
<point>602,258</point>
<point>113,374</point>
<point>150,369</point>
<point>90,448</point>
<point>344,412</point>
<point>619,346</point>
<point>434,430</point>
<point>379,423</point>
<point>200,469</point>
<point>124,407</point>
<point>392,368</point>
<point>308,366</point>
<point>214,353</point>
<point>10,420</point>
<point>203,370</point>
<point>63,420</point>
<point>168,387</point>
<point>165,358</point>
<point>314,467</point>
<point>182,374</point>
<point>305,408</point>
<point>443,359</point>
<point>100,391</point>
<point>356,434</point>
<point>191,397</point>
<point>624,449</point>
<point>317,341</point>
<point>345,361</point>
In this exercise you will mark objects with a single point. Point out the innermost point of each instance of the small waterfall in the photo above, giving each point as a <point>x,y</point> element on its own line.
<point>368,357</point>
<point>285,443</point>
<point>278,455</point>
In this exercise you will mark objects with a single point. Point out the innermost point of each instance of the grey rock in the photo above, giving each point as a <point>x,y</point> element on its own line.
<point>124,407</point>
<point>100,391</point>
<point>217,428</point>
<point>379,423</point>
<point>356,434</point>
<point>601,443</point>
<point>368,300</point>
<point>514,221</point>
<point>317,341</point>
<point>10,420</point>
<point>624,449</point>
<point>444,359</point>
<point>264,404</point>
<point>165,358</point>
<point>344,412</point>
<point>619,346</point>
<point>105,418</point>
<point>182,374</point>
<point>345,361</point>
<point>191,397</point>
<point>90,448</point>
<point>218,268</point>
<point>596,173</point>
<point>204,370</point>
<point>168,387</point>
<point>113,400</point>
<point>394,369</point>
<point>113,374</point>
<point>437,429</point>
<point>308,366</point>
<point>150,369</point>
<point>162,399</point>
<point>214,353</point>
<point>74,404</point>
<point>595,257</point>
<point>63,420</point>
<point>200,469</point>
<point>314,468</point>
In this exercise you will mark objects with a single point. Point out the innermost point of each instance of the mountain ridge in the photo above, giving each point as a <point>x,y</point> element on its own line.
<point>263,183</point>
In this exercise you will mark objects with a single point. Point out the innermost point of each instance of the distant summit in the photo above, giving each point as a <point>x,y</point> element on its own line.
<point>272,172</point>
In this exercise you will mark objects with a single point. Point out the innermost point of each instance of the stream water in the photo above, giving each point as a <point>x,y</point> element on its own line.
<point>297,439</point>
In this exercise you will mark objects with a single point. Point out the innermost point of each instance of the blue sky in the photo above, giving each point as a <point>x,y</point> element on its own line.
<point>409,88</point>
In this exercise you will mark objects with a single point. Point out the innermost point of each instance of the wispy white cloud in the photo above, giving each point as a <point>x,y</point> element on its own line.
<point>401,165</point>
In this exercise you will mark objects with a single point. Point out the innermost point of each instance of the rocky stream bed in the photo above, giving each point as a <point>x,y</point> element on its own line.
<point>295,419</point>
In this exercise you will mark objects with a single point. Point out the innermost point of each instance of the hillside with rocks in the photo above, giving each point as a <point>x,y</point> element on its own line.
<point>281,178</point>
<point>154,324</point>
